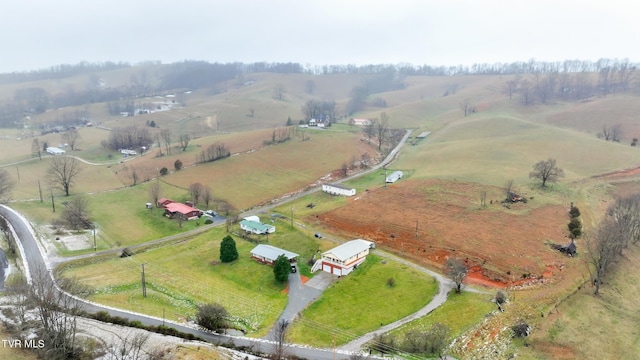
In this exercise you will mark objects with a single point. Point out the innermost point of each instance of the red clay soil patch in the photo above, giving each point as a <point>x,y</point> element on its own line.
<point>430,220</point>
<point>304,279</point>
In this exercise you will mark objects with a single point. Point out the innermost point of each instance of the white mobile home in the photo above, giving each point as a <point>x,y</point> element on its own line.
<point>55,151</point>
<point>335,189</point>
<point>395,176</point>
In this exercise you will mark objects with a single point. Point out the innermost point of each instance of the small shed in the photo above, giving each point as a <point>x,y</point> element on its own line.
<point>335,189</point>
<point>268,254</point>
<point>394,176</point>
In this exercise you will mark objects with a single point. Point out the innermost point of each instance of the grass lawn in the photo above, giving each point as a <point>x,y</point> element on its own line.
<point>184,274</point>
<point>459,313</point>
<point>362,302</point>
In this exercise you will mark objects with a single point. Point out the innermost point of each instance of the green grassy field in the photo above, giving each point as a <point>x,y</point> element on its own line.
<point>184,274</point>
<point>362,302</point>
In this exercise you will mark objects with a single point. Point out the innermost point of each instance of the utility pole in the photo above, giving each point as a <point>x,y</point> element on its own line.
<point>292,217</point>
<point>416,228</point>
<point>53,203</point>
<point>18,170</point>
<point>144,285</point>
<point>385,178</point>
<point>95,247</point>
<point>40,190</point>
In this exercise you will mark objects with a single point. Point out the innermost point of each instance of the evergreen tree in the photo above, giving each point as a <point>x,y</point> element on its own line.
<point>281,268</point>
<point>228,251</point>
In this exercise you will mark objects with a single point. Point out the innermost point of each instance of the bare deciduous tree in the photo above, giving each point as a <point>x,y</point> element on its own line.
<point>382,129</point>
<point>134,177</point>
<point>57,313</point>
<point>63,171</point>
<point>129,345</point>
<point>626,214</point>
<point>6,186</point>
<point>280,339</point>
<point>155,191</point>
<point>604,248</point>
<point>36,148</point>
<point>76,214</point>
<point>184,141</point>
<point>165,134</point>
<point>71,138</point>
<point>196,190</point>
<point>511,86</point>
<point>547,171</point>
<point>457,271</point>
<point>467,107</point>
<point>278,91</point>
<point>207,196</point>
<point>611,133</point>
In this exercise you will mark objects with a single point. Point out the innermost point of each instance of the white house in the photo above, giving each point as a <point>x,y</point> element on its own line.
<point>335,189</point>
<point>128,152</point>
<point>361,122</point>
<point>394,176</point>
<point>344,258</point>
<point>55,151</point>
<point>253,225</point>
<point>268,254</point>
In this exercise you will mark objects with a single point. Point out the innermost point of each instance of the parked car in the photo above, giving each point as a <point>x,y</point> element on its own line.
<point>211,213</point>
<point>318,235</point>
<point>293,269</point>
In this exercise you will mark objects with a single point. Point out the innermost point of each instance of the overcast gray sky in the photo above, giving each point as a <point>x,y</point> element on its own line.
<point>40,33</point>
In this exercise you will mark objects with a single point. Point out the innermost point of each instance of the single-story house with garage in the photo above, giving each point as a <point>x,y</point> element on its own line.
<point>252,224</point>
<point>335,189</point>
<point>175,209</point>
<point>268,254</point>
<point>344,258</point>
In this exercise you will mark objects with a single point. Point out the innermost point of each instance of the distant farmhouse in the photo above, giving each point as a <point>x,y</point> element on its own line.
<point>252,224</point>
<point>335,189</point>
<point>174,209</point>
<point>344,258</point>
<point>268,254</point>
<point>55,151</point>
<point>394,176</point>
<point>360,122</point>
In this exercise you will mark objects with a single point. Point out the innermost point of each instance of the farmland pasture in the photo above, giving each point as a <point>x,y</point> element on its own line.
<point>498,143</point>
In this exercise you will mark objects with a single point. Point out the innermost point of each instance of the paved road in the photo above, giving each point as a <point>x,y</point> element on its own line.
<point>33,259</point>
<point>4,269</point>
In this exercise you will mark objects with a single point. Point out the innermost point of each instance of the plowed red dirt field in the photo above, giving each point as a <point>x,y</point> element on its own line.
<point>430,220</point>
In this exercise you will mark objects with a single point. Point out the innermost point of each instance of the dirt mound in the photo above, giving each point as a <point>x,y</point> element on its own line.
<point>430,220</point>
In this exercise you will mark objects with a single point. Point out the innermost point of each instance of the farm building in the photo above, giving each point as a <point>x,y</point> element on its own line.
<point>55,151</point>
<point>164,201</point>
<point>361,122</point>
<point>335,189</point>
<point>344,258</point>
<point>268,254</point>
<point>253,225</point>
<point>395,176</point>
<point>174,209</point>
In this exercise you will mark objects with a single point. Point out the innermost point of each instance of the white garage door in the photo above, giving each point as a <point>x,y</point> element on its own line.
<point>326,268</point>
<point>337,271</point>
